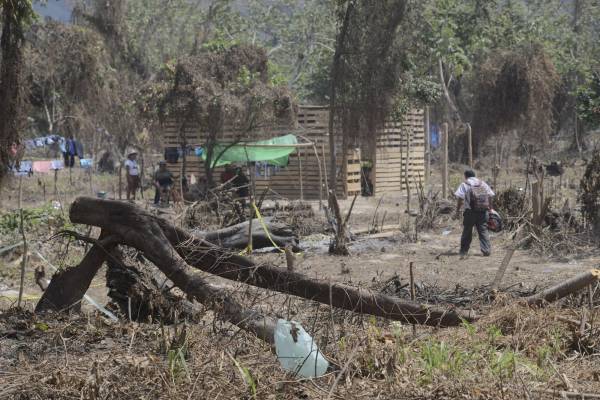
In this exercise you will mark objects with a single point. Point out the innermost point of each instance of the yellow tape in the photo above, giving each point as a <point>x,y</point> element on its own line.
<point>264,226</point>
<point>248,248</point>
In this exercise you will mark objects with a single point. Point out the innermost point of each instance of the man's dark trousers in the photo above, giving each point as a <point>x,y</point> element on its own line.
<point>479,220</point>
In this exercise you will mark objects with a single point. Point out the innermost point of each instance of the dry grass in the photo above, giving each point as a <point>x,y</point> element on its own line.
<point>507,355</point>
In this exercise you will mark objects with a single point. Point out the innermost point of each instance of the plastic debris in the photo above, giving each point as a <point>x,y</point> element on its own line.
<point>297,351</point>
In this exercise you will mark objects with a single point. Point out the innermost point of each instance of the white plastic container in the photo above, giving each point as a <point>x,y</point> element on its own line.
<point>296,350</point>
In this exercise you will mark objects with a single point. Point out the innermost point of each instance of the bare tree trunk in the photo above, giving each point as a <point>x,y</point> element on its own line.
<point>335,70</point>
<point>427,146</point>
<point>470,145</point>
<point>445,160</point>
<point>127,218</point>
<point>13,18</point>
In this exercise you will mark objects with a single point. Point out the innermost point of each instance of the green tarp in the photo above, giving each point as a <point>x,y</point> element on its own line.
<point>274,151</point>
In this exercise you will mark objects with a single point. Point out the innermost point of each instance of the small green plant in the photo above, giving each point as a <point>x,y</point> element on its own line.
<point>470,328</point>
<point>177,354</point>
<point>504,364</point>
<point>442,358</point>
<point>494,333</point>
<point>177,364</point>
<point>246,376</point>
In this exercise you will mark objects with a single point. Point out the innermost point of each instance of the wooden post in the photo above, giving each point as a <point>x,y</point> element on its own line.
<point>495,172</point>
<point>20,198</point>
<point>320,177</point>
<point>251,215</point>
<point>120,182</point>
<point>24,260</point>
<point>142,176</point>
<point>300,172</point>
<point>406,166</point>
<point>412,290</point>
<point>91,183</point>
<point>427,146</point>
<point>445,160</point>
<point>325,167</point>
<point>535,200</point>
<point>470,145</point>
<point>55,184</point>
<point>181,177</point>
<point>44,190</point>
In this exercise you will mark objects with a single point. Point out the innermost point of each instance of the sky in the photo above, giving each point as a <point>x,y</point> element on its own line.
<point>59,10</point>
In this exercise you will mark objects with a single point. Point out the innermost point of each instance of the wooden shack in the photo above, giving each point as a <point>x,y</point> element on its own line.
<point>398,156</point>
<point>306,175</point>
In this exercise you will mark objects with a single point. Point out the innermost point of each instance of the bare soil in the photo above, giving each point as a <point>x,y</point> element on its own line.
<point>512,353</point>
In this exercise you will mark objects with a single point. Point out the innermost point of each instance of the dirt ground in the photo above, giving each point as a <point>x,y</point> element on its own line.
<point>88,356</point>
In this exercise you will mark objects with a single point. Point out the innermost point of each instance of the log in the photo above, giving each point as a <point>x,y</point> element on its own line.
<point>236,236</point>
<point>67,287</point>
<point>139,229</point>
<point>118,217</point>
<point>565,288</point>
<point>135,293</point>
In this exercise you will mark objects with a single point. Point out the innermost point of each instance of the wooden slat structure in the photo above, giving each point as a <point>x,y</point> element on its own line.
<point>302,178</point>
<point>392,153</point>
<point>292,183</point>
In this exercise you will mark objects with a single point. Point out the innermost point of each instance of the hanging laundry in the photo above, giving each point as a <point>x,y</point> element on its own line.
<point>23,169</point>
<point>57,164</point>
<point>78,149</point>
<point>42,166</point>
<point>172,154</point>
<point>62,144</point>
<point>86,163</point>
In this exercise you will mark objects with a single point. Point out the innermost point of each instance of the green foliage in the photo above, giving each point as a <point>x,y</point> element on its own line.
<point>504,364</point>
<point>440,357</point>
<point>589,193</point>
<point>246,376</point>
<point>46,217</point>
<point>588,101</point>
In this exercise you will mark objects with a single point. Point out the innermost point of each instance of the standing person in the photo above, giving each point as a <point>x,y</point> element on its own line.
<point>163,180</point>
<point>133,174</point>
<point>69,152</point>
<point>476,197</point>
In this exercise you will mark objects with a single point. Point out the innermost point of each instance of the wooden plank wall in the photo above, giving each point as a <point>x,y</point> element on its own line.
<point>391,154</point>
<point>284,182</point>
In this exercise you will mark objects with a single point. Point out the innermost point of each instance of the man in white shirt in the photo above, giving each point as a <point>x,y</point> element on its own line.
<point>476,197</point>
<point>133,174</point>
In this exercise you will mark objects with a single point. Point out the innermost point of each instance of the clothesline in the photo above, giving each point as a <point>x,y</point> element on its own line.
<point>27,167</point>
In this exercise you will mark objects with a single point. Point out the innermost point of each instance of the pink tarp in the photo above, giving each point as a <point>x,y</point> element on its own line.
<point>42,166</point>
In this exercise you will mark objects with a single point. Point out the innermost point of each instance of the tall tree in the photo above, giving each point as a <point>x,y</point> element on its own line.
<point>16,15</point>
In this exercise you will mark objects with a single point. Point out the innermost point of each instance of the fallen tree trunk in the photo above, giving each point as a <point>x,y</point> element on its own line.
<point>67,287</point>
<point>565,288</point>
<point>117,216</point>
<point>236,236</point>
<point>141,230</point>
<point>136,294</point>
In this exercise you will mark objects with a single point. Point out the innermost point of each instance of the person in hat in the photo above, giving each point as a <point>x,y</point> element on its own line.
<point>163,180</point>
<point>133,174</point>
